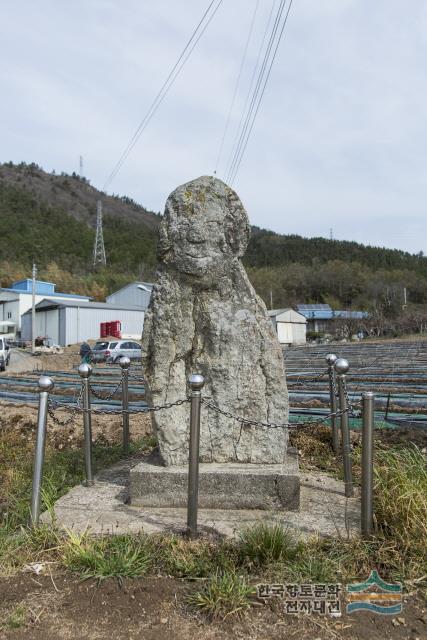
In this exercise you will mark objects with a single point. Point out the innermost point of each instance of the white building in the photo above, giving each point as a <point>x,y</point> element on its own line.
<point>71,321</point>
<point>133,294</point>
<point>17,299</point>
<point>291,326</point>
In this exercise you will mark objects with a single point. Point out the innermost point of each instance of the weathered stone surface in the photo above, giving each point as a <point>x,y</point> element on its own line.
<point>221,486</point>
<point>205,317</point>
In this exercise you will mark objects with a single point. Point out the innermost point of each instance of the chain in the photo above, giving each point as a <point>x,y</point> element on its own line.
<point>272,425</point>
<point>74,408</point>
<point>109,395</point>
<point>138,378</point>
<point>352,412</point>
<point>308,380</point>
<point>118,412</point>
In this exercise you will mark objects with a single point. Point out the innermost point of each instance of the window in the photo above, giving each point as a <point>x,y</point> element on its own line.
<point>100,346</point>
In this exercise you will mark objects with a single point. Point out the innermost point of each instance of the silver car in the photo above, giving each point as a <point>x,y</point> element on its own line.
<point>112,351</point>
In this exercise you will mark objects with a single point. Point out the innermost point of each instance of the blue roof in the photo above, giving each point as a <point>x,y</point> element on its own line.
<point>315,311</point>
<point>27,285</point>
<point>324,312</point>
<point>356,315</point>
<point>39,293</point>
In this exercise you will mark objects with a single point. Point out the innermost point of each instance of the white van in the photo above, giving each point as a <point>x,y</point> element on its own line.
<point>4,354</point>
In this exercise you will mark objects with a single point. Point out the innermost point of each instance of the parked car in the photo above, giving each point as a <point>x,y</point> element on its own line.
<point>112,351</point>
<point>4,354</point>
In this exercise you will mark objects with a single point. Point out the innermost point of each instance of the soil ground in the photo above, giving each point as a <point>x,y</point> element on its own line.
<point>55,607</point>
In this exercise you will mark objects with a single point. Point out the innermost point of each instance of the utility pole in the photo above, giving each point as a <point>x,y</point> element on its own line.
<point>99,249</point>
<point>405,298</point>
<point>33,312</point>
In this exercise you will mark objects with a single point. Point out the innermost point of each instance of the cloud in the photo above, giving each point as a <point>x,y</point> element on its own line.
<point>339,140</point>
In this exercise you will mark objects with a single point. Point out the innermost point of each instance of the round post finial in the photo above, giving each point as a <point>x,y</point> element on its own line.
<point>84,370</point>
<point>124,362</point>
<point>196,381</point>
<point>45,383</point>
<point>341,366</point>
<point>331,359</point>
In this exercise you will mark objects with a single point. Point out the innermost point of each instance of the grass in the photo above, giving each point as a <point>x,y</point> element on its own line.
<point>401,497</point>
<point>183,558</point>
<point>122,556</point>
<point>263,544</point>
<point>224,594</point>
<point>62,470</point>
<point>16,619</point>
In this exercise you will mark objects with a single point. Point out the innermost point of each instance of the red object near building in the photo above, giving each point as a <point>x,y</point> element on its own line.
<point>116,329</point>
<point>113,329</point>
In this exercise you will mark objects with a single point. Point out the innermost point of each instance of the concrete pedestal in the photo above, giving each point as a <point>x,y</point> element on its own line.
<point>221,486</point>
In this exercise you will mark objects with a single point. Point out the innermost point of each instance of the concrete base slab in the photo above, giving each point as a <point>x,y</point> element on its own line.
<point>104,509</point>
<point>221,486</point>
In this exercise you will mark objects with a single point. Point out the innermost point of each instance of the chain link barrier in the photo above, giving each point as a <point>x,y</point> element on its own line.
<point>273,425</point>
<point>293,385</point>
<point>75,409</point>
<point>109,395</point>
<point>118,412</point>
<point>138,378</point>
<point>351,407</point>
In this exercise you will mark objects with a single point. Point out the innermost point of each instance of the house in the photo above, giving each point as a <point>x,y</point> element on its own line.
<point>290,326</point>
<point>135,294</point>
<point>17,299</point>
<point>320,316</point>
<point>72,321</point>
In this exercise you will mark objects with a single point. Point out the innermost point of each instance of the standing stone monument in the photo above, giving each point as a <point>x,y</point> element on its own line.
<point>205,317</point>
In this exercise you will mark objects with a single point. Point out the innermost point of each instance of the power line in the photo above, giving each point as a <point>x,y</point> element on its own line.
<point>255,92</point>
<point>251,84</point>
<point>263,78</point>
<point>173,74</point>
<point>242,64</point>
<point>262,92</point>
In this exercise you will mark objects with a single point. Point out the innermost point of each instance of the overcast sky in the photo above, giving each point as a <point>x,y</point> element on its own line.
<point>340,140</point>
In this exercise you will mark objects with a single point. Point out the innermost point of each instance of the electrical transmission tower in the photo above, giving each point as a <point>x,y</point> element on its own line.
<point>99,249</point>
<point>81,166</point>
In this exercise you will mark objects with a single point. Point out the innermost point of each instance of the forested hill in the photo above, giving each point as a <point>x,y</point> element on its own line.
<point>51,219</point>
<point>271,249</point>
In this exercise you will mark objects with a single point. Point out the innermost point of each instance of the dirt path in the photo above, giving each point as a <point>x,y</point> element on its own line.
<point>60,606</point>
<point>20,360</point>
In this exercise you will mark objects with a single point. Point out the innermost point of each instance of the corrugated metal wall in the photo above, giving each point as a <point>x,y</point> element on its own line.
<point>130,296</point>
<point>70,325</point>
<point>84,324</point>
<point>47,324</point>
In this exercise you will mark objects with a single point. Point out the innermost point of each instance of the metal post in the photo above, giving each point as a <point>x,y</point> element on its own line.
<point>368,401</point>
<point>195,382</point>
<point>84,372</point>
<point>341,368</point>
<point>125,364</point>
<point>331,358</point>
<point>33,310</point>
<point>45,385</point>
<point>387,407</point>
